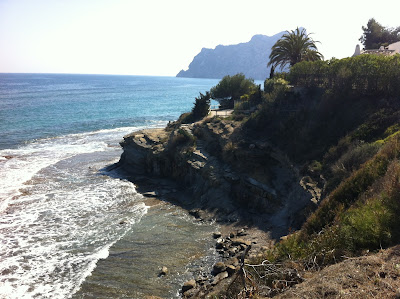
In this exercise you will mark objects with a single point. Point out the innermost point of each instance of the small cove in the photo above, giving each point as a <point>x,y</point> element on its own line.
<point>165,236</point>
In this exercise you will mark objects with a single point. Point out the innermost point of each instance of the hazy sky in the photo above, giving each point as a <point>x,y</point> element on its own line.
<point>161,37</point>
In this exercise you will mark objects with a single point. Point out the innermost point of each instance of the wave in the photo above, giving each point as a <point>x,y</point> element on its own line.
<point>18,166</point>
<point>65,215</point>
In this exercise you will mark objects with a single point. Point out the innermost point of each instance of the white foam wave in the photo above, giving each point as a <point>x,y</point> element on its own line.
<point>53,238</point>
<point>59,216</point>
<point>18,166</point>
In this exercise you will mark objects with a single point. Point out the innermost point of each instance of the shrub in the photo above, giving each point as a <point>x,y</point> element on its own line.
<point>392,130</point>
<point>367,226</point>
<point>275,83</point>
<point>228,151</point>
<point>201,106</point>
<point>350,190</point>
<point>356,154</point>
<point>179,138</point>
<point>366,74</point>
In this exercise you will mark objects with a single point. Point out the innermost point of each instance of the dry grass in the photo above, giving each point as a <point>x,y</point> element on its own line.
<point>374,276</point>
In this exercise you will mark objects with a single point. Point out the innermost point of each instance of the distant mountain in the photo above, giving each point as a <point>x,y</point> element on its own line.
<point>250,58</point>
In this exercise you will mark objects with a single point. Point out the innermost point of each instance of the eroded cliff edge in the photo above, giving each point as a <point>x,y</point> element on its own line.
<point>225,172</point>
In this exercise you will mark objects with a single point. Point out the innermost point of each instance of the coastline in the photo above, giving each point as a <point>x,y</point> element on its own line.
<point>139,165</point>
<point>207,281</point>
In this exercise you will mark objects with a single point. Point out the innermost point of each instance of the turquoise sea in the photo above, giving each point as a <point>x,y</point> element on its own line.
<point>61,211</point>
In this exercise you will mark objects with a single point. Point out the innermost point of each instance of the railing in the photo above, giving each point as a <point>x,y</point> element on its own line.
<point>218,108</point>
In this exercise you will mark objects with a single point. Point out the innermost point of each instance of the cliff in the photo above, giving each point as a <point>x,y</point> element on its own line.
<point>249,58</point>
<point>252,183</point>
<point>321,164</point>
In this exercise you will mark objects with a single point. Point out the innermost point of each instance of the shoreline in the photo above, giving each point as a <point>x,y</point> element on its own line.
<point>158,190</point>
<point>250,189</point>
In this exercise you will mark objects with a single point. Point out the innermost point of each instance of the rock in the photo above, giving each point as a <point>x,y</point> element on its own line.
<point>222,60</point>
<point>241,233</point>
<point>196,213</point>
<point>243,247</point>
<point>230,269</point>
<point>397,295</point>
<point>188,285</point>
<point>192,293</point>
<point>163,271</point>
<point>150,194</point>
<point>217,235</point>
<point>239,241</point>
<point>219,246</point>
<point>220,277</point>
<point>233,261</point>
<point>218,268</point>
<point>232,251</point>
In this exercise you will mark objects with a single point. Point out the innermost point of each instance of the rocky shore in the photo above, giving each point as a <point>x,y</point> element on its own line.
<point>255,196</point>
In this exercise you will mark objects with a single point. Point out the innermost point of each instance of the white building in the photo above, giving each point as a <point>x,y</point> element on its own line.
<point>389,50</point>
<point>395,47</point>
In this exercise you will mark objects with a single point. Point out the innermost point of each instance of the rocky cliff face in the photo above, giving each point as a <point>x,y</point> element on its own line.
<point>249,58</point>
<point>248,181</point>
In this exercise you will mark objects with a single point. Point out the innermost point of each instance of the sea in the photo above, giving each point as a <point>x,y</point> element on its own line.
<point>69,228</point>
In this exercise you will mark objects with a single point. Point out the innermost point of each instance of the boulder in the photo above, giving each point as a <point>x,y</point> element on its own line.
<point>232,251</point>
<point>239,241</point>
<point>233,261</point>
<point>196,213</point>
<point>241,233</point>
<point>219,277</point>
<point>218,268</point>
<point>188,285</point>
<point>150,194</point>
<point>217,235</point>
<point>230,269</point>
<point>163,271</point>
<point>220,244</point>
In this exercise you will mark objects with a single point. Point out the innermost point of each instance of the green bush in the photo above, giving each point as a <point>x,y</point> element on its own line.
<point>275,83</point>
<point>350,190</point>
<point>367,226</point>
<point>366,74</point>
<point>356,154</point>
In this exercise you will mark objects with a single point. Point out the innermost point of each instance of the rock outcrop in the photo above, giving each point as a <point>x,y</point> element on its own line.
<point>249,58</point>
<point>254,184</point>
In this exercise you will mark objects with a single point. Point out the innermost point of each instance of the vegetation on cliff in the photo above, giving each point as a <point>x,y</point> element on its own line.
<point>340,127</point>
<point>231,89</point>
<point>314,159</point>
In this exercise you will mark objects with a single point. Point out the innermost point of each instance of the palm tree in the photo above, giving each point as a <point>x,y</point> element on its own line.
<point>293,47</point>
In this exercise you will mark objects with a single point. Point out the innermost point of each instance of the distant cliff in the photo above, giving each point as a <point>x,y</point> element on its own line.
<point>250,58</point>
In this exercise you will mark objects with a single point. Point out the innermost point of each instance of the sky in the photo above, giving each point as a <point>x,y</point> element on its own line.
<point>161,37</point>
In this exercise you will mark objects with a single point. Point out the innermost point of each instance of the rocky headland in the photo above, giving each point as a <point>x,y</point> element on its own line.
<point>249,58</point>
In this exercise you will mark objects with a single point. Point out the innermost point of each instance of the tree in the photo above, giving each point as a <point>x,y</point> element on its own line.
<point>375,35</point>
<point>293,47</point>
<point>231,88</point>
<point>201,106</point>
